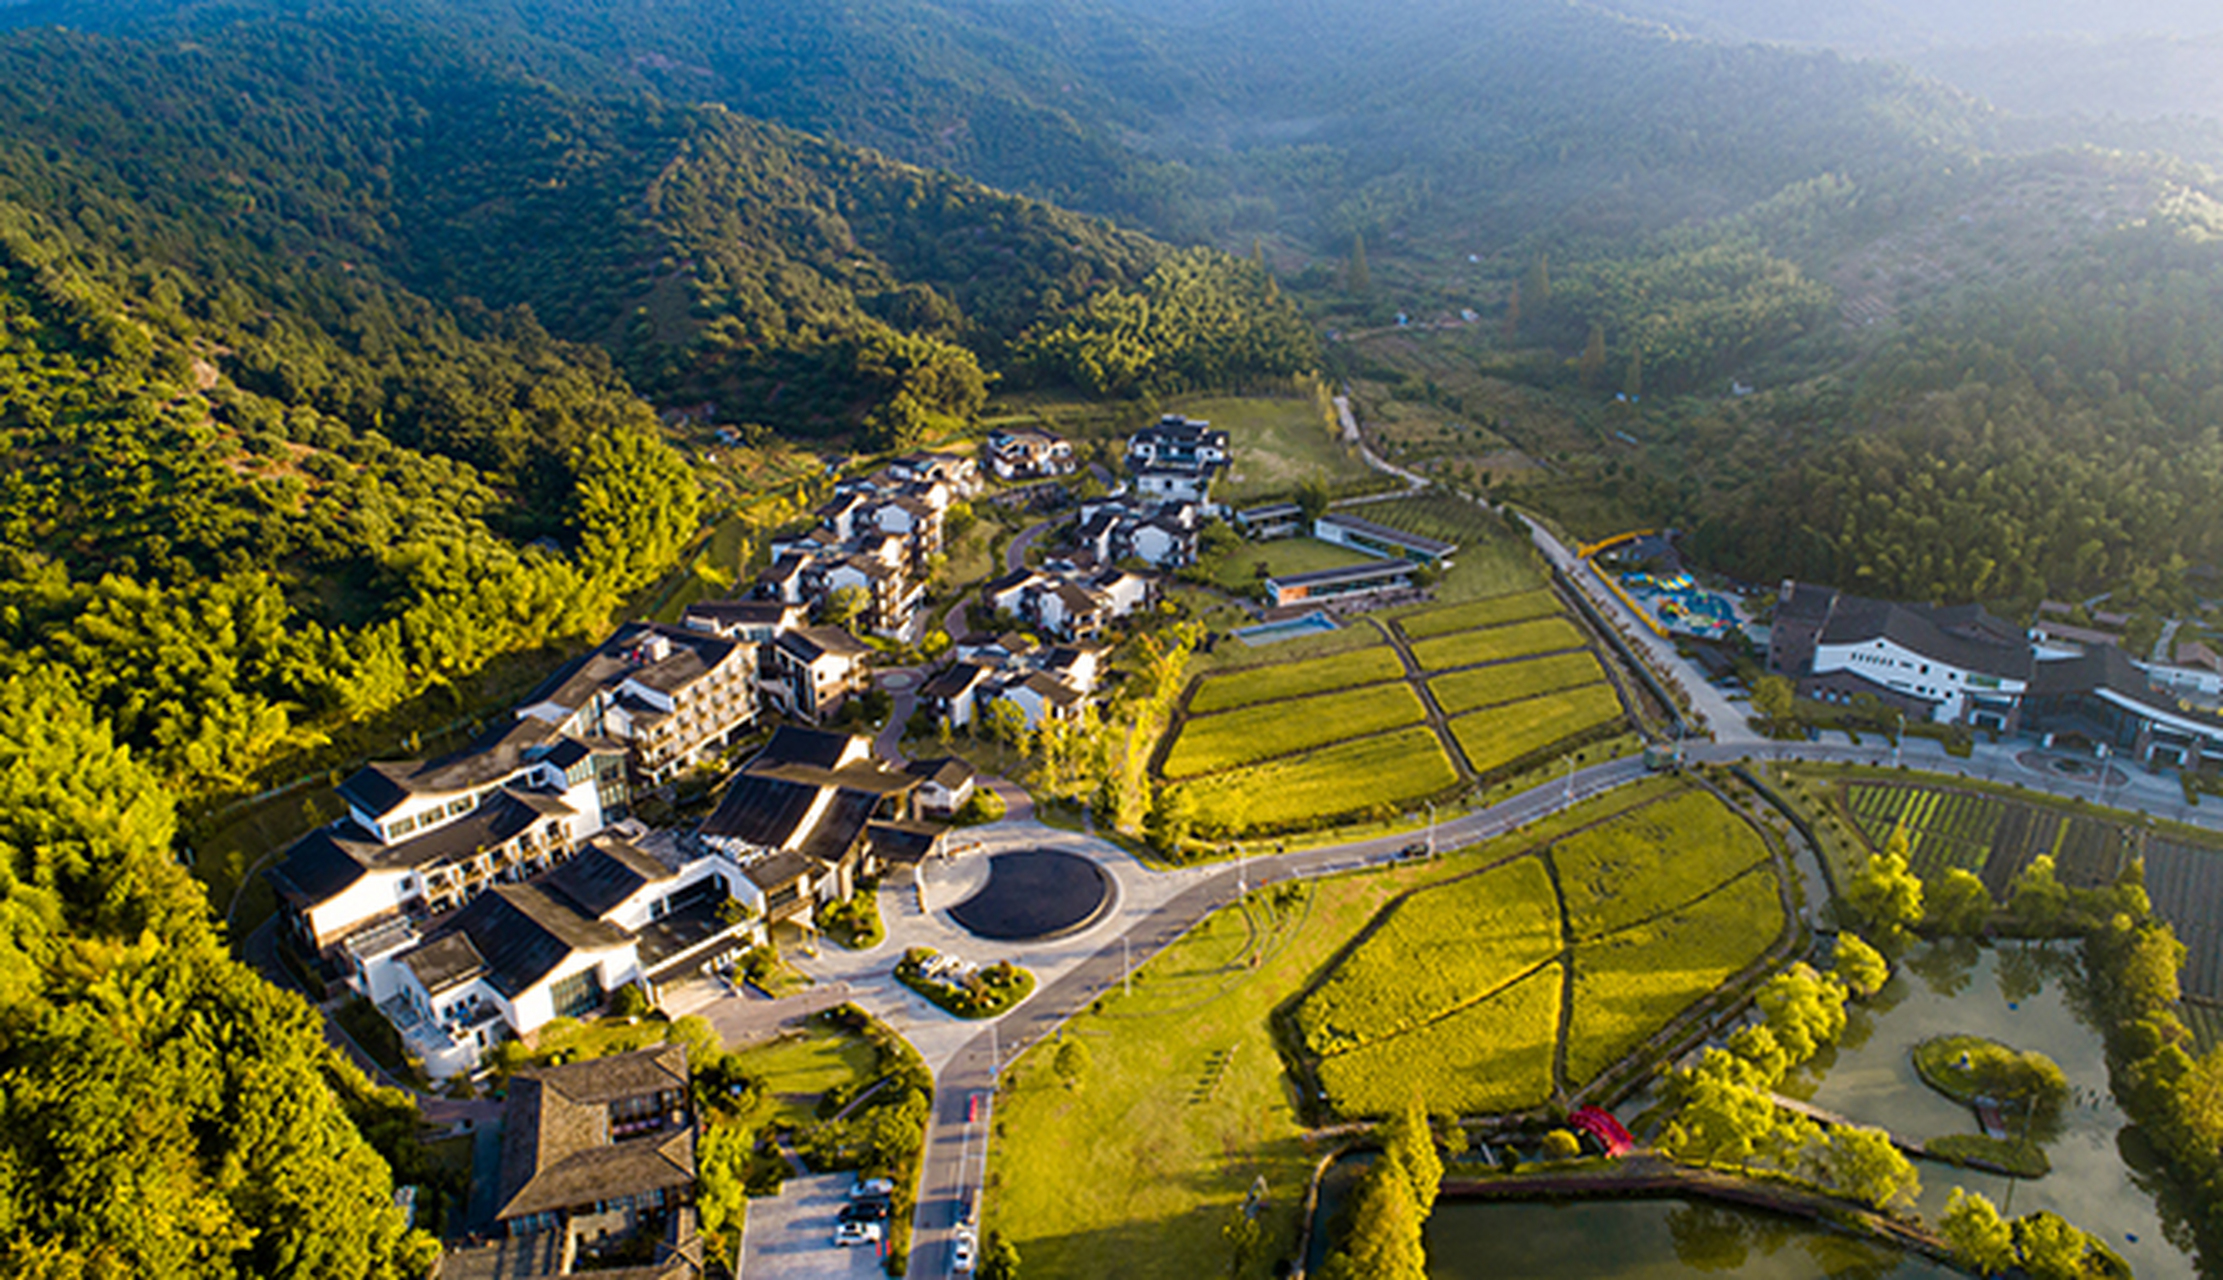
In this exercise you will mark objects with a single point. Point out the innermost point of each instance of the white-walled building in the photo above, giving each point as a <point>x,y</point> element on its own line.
<point>676,694</point>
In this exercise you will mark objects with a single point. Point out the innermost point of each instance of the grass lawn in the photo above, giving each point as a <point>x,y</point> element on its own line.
<point>1495,738</point>
<point>1388,771</point>
<point>1494,611</point>
<point>1437,951</point>
<point>1488,1058</point>
<point>1652,860</point>
<point>1464,691</point>
<point>1497,644</point>
<point>1630,984</point>
<point>797,1069</point>
<point>1135,1172</point>
<point>1239,569</point>
<point>1263,731</point>
<point>1492,560</point>
<point>1277,444</point>
<point>1295,679</point>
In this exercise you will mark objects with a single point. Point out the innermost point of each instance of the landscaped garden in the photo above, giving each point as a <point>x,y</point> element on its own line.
<point>1447,975</point>
<point>968,991</point>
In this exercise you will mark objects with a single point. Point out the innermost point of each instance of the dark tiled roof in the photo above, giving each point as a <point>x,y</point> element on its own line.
<point>1053,689</point>
<point>1379,571</point>
<point>604,874</point>
<point>557,1149</point>
<point>1856,620</point>
<point>740,613</point>
<point>1805,602</point>
<point>837,831</point>
<point>999,585</point>
<point>812,643</point>
<point>793,744</point>
<point>761,811</point>
<point>444,962</point>
<point>948,772</point>
<point>778,870</point>
<point>2104,667</point>
<point>907,843</point>
<point>1395,537</point>
<point>323,862</point>
<point>523,933</point>
<point>329,859</point>
<point>952,681</point>
<point>689,655</point>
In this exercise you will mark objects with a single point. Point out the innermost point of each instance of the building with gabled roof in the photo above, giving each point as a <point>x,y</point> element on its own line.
<point>1950,665</point>
<point>675,695</point>
<point>599,1150</point>
<point>1177,459</point>
<point>810,672</point>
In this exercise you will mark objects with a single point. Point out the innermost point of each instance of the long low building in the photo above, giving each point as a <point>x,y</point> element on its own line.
<point>1369,538</point>
<point>1356,581</point>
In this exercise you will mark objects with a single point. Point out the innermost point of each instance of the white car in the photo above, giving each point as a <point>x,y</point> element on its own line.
<point>849,1233</point>
<point>962,1251</point>
<point>871,1189</point>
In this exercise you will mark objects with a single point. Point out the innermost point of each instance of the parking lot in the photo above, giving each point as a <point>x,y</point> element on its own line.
<point>791,1234</point>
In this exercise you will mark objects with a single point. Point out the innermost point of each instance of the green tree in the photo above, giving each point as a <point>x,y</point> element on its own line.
<point>1859,966</point>
<point>1559,1144</point>
<point>2038,898</point>
<point>1509,332</point>
<point>999,1260</point>
<point>845,607</point>
<point>1959,903</point>
<point>1981,1240</point>
<point>1803,1009</point>
<point>1590,366</point>
<point>1863,1164</point>
<point>1383,1239</point>
<point>1172,814</point>
<point>1313,498</point>
<point>1409,1147</point>
<point>1772,696</point>
<point>1884,894</point>
<point>1361,279</point>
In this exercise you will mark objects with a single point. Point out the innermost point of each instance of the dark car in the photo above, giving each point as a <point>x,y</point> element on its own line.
<point>865,1211</point>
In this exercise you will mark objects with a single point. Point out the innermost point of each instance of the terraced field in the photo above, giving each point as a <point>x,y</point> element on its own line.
<point>1461,985</point>
<point>1506,735</point>
<point>1464,691</point>
<point>1265,731</point>
<point>1494,611</point>
<point>1296,679</point>
<point>1497,644</point>
<point>1335,782</point>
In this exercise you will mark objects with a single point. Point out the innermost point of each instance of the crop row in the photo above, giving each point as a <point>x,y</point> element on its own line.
<point>1464,691</point>
<point>1502,735</point>
<point>1391,770</point>
<point>1432,952</point>
<point>1209,744</point>
<point>1488,1058</point>
<point>1651,860</point>
<point>1296,679</point>
<point>1497,644</point>
<point>1630,984</point>
<point>1521,606</point>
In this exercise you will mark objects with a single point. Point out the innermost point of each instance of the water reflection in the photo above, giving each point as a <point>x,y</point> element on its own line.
<point>1643,1239</point>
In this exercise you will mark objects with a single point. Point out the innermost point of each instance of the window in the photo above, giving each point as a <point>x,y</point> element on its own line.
<point>578,995</point>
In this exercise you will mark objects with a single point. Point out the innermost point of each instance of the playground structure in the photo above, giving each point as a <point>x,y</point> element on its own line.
<point>1602,1126</point>
<point>1670,603</point>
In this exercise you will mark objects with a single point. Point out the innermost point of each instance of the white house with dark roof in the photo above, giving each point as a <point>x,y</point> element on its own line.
<point>676,694</point>
<point>1948,665</point>
<point>1177,460</point>
<point>1379,540</point>
<point>1029,454</point>
<point>810,672</point>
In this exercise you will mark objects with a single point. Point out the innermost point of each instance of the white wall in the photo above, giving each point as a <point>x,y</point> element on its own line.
<point>377,893</point>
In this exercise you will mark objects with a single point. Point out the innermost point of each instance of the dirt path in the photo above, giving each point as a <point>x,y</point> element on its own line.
<point>1438,722</point>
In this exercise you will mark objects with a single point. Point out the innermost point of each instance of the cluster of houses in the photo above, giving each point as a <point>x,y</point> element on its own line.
<point>1962,665</point>
<point>876,539</point>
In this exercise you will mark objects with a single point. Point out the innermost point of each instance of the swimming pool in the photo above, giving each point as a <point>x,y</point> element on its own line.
<point>1266,633</point>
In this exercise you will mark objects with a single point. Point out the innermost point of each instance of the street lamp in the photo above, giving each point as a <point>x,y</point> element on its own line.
<point>1431,828</point>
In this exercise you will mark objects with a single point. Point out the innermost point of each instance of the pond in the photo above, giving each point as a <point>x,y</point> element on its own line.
<point>1642,1239</point>
<point>2027,996</point>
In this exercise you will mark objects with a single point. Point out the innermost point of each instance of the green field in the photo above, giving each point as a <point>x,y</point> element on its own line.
<point>1295,679</point>
<point>1492,560</point>
<point>1487,1059</point>
<point>1495,611</point>
<point>1497,644</point>
<point>1653,860</point>
<point>1502,735</point>
<point>1393,769</point>
<point>1277,444</point>
<point>1434,953</point>
<point>1630,984</point>
<point>1187,1099</point>
<point>1264,731</point>
<point>1464,691</point>
<point>799,1068</point>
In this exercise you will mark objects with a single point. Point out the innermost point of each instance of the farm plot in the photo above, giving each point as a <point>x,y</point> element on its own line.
<point>1945,829</point>
<point>1652,861</point>
<point>1296,679</point>
<point>1488,1058</point>
<point>1390,770</point>
<point>1464,691</point>
<point>1266,730</point>
<point>1493,611</point>
<point>1497,644</point>
<point>2186,886</point>
<point>1504,735</point>
<point>1630,984</point>
<point>1435,952</point>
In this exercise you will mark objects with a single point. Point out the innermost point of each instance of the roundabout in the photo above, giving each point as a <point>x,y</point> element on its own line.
<point>1036,895</point>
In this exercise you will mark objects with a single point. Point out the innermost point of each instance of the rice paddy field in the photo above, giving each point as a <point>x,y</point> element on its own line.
<point>1657,907</point>
<point>1507,735</point>
<point>1314,740</point>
